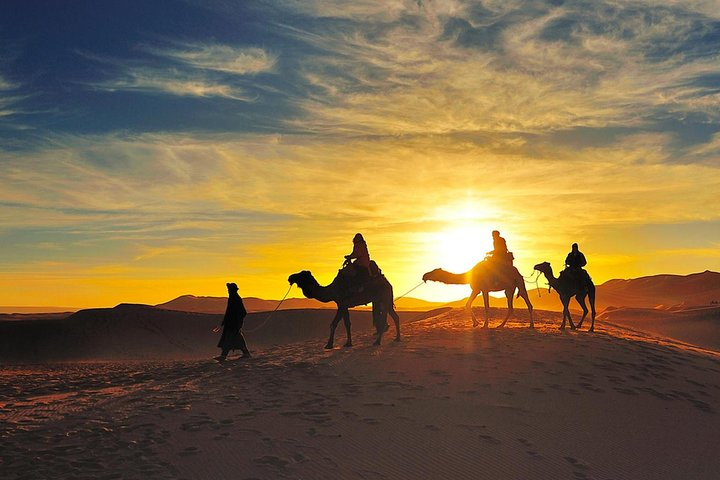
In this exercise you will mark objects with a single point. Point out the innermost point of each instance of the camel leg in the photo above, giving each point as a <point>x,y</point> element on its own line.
<point>580,298</point>
<point>567,309</point>
<point>522,292</point>
<point>346,318</point>
<point>566,314</point>
<point>509,295</point>
<point>486,301</point>
<point>333,326</point>
<point>591,297</point>
<point>380,321</point>
<point>468,306</point>
<point>396,319</point>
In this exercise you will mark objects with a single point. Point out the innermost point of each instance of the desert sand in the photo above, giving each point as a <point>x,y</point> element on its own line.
<point>449,401</point>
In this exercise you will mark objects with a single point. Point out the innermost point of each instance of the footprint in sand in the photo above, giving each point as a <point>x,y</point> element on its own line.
<point>491,439</point>
<point>272,461</point>
<point>530,449</point>
<point>577,463</point>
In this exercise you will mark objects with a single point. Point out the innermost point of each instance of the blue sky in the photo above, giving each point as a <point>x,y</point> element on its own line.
<point>157,147</point>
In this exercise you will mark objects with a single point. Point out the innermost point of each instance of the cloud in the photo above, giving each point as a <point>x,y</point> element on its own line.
<point>222,58</point>
<point>173,82</point>
<point>513,68</point>
<point>193,70</point>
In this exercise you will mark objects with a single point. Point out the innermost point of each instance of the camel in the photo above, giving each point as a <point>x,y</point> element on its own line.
<point>568,288</point>
<point>378,291</point>
<point>487,276</point>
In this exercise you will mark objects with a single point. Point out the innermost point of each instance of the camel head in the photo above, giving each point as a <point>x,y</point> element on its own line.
<point>301,279</point>
<point>432,275</point>
<point>543,267</point>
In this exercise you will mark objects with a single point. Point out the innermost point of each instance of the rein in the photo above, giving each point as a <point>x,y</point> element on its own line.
<point>271,313</point>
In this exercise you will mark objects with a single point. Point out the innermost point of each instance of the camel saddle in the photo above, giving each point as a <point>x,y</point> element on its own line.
<point>356,277</point>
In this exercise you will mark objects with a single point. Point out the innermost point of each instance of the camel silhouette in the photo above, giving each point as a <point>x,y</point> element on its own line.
<point>378,291</point>
<point>568,288</point>
<point>486,277</point>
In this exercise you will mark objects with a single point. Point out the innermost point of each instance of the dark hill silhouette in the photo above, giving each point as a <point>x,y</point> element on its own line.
<point>192,303</point>
<point>662,290</point>
<point>695,325</point>
<point>655,291</point>
<point>140,332</point>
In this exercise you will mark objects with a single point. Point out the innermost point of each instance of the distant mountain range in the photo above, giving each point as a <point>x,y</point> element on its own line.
<point>191,303</point>
<point>657,291</point>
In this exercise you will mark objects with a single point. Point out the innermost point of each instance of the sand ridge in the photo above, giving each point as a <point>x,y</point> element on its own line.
<point>449,401</point>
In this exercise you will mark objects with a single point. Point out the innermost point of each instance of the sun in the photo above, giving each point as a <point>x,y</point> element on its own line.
<point>459,248</point>
<point>465,238</point>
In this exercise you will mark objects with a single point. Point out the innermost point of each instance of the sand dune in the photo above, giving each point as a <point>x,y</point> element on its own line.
<point>694,325</point>
<point>137,332</point>
<point>449,401</point>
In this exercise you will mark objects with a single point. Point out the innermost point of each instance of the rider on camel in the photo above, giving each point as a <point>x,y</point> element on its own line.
<point>499,252</point>
<point>574,263</point>
<point>361,255</point>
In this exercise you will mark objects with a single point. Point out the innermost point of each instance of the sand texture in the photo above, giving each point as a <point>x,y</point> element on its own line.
<point>449,401</point>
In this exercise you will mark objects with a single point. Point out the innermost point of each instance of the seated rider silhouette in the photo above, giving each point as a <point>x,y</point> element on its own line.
<point>360,268</point>
<point>574,263</point>
<point>498,256</point>
<point>499,252</point>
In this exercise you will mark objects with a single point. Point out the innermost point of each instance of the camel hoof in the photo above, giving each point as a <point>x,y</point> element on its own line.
<point>397,339</point>
<point>348,345</point>
<point>532,327</point>
<point>562,327</point>
<point>572,327</point>
<point>591,330</point>
<point>502,325</point>
<point>475,324</point>
<point>329,346</point>
<point>376,343</point>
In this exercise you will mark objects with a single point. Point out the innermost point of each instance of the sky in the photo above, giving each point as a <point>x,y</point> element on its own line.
<point>154,149</point>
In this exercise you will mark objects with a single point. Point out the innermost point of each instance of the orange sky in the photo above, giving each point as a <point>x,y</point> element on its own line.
<point>223,149</point>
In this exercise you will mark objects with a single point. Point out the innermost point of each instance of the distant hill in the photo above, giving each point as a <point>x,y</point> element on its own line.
<point>24,310</point>
<point>138,332</point>
<point>695,325</point>
<point>656,291</point>
<point>191,303</point>
<point>662,291</point>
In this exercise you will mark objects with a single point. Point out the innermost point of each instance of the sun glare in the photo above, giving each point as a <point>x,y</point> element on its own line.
<point>466,237</point>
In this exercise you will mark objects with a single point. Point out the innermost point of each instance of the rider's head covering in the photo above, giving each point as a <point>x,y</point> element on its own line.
<point>358,238</point>
<point>232,287</point>
<point>495,233</point>
<point>574,246</point>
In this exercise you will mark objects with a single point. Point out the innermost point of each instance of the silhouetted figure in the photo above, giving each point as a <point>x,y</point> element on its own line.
<point>500,252</point>
<point>575,259</point>
<point>569,286</point>
<point>232,337</point>
<point>499,244</point>
<point>378,291</point>
<point>487,277</point>
<point>574,263</point>
<point>361,265</point>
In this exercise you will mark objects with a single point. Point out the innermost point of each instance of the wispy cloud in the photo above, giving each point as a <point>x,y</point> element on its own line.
<point>191,70</point>
<point>222,58</point>
<point>173,82</point>
<point>516,67</point>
